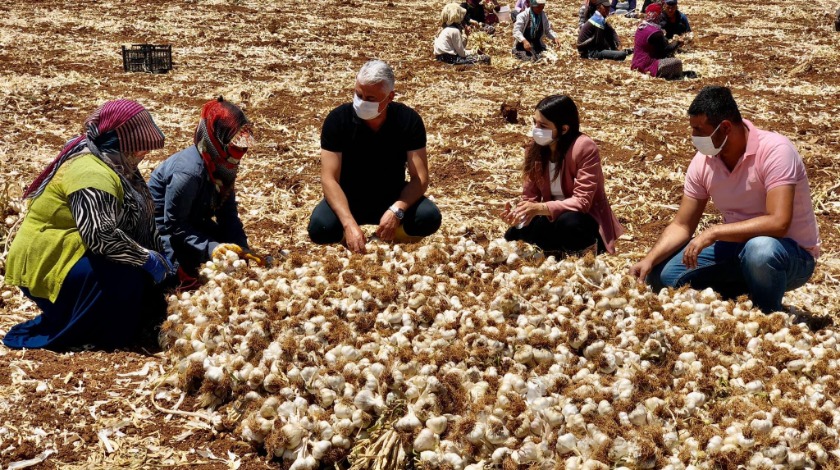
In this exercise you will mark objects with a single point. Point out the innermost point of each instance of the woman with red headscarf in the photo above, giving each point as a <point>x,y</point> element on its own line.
<point>652,53</point>
<point>193,190</point>
<point>87,252</point>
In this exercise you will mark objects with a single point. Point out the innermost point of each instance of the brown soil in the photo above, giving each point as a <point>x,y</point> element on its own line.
<point>289,65</point>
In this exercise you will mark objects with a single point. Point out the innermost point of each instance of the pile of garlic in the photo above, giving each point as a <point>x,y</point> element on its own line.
<point>459,355</point>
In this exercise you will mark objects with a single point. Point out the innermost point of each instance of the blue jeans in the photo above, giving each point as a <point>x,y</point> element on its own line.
<point>763,267</point>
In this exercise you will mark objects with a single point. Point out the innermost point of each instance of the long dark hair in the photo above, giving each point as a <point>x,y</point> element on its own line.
<point>561,111</point>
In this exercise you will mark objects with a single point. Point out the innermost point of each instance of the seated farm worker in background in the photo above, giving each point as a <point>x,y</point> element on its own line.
<point>519,7</point>
<point>652,53</point>
<point>477,15</point>
<point>587,9</point>
<point>194,191</point>
<point>626,8</point>
<point>673,21</point>
<point>87,252</point>
<point>564,205</point>
<point>529,30</point>
<point>366,146</point>
<point>768,241</point>
<point>450,44</point>
<point>597,39</point>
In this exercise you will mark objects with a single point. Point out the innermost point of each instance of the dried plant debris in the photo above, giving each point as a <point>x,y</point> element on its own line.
<point>289,67</point>
<point>459,354</point>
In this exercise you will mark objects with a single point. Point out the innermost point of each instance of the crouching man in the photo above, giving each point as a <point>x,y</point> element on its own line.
<point>366,146</point>
<point>768,241</point>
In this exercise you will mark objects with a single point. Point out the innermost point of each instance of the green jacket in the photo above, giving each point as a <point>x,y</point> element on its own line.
<point>48,243</point>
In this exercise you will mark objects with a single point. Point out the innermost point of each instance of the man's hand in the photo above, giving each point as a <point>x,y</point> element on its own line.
<point>387,226</point>
<point>526,45</point>
<point>355,238</point>
<point>641,270</point>
<point>557,42</point>
<point>695,246</point>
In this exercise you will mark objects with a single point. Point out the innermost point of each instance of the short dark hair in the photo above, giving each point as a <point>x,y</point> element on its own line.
<point>717,103</point>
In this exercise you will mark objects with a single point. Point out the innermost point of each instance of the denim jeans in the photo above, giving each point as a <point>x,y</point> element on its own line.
<point>763,267</point>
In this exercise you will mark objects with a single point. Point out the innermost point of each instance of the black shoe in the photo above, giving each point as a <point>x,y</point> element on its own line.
<point>689,74</point>
<point>628,51</point>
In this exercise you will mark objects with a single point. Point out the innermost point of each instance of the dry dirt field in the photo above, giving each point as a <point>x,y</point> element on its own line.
<point>289,64</point>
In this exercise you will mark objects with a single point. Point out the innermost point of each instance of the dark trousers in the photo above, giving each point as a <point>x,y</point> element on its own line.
<point>101,302</point>
<point>608,54</point>
<point>571,232</point>
<point>468,60</point>
<point>420,220</point>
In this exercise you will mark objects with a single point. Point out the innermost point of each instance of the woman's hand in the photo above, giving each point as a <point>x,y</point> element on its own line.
<point>526,211</point>
<point>507,214</point>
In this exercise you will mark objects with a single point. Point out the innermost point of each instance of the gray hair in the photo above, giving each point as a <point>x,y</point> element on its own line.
<point>376,71</point>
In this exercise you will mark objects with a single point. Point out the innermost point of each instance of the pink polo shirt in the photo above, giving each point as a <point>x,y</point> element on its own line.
<point>770,161</point>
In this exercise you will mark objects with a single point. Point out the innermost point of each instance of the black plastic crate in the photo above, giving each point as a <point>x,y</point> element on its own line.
<point>150,58</point>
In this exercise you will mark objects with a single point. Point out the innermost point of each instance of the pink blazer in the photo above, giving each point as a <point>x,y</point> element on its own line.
<point>583,185</point>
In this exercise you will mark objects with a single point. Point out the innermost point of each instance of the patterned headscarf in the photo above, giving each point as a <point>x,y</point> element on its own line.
<point>113,133</point>
<point>652,13</point>
<point>220,122</point>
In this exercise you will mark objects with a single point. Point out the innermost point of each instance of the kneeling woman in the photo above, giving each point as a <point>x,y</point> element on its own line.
<point>194,191</point>
<point>449,43</point>
<point>87,252</point>
<point>564,207</point>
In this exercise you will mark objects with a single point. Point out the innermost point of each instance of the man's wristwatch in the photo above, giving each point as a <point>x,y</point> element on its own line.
<point>397,212</point>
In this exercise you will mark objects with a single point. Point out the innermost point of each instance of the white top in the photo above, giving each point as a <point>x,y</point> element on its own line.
<point>450,41</point>
<point>556,183</point>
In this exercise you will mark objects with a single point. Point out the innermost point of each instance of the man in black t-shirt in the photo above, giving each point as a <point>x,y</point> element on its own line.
<point>365,149</point>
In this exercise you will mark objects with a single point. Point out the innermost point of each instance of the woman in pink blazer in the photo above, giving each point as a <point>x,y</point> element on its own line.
<point>564,206</point>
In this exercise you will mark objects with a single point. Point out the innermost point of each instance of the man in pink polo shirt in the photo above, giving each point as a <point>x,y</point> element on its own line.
<point>768,241</point>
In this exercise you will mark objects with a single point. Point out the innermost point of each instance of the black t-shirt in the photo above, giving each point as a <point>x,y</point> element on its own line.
<point>373,164</point>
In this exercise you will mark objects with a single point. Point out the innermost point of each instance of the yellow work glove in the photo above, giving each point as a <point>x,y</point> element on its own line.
<point>261,261</point>
<point>223,248</point>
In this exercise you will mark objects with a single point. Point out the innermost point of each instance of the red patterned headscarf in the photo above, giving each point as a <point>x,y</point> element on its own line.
<point>221,121</point>
<point>113,132</point>
<point>653,12</point>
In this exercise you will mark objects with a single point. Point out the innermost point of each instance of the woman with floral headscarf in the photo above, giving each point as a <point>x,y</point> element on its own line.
<point>87,252</point>
<point>193,191</point>
<point>652,53</point>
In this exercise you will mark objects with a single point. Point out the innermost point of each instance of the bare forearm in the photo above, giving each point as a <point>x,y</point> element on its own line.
<point>338,202</point>
<point>411,193</point>
<point>740,232</point>
<point>674,236</point>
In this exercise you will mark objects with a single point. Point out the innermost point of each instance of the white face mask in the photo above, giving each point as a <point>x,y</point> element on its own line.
<point>705,145</point>
<point>366,110</point>
<point>542,136</point>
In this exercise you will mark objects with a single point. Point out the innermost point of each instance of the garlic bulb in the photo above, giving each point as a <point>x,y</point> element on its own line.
<point>469,354</point>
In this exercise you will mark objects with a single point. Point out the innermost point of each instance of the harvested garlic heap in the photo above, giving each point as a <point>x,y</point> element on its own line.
<point>466,356</point>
